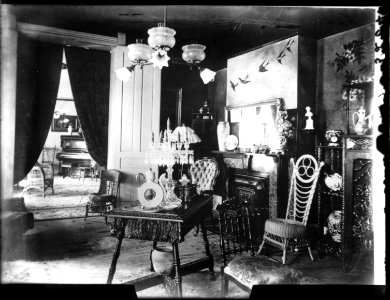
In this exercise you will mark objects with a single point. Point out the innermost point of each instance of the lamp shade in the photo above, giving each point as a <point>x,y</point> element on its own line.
<point>193,53</point>
<point>123,74</point>
<point>139,53</point>
<point>185,134</point>
<point>161,38</point>
<point>207,75</point>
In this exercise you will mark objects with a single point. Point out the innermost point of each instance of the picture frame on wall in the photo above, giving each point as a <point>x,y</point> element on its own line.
<point>63,122</point>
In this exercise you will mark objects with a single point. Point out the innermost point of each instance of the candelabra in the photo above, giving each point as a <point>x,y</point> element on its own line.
<point>166,153</point>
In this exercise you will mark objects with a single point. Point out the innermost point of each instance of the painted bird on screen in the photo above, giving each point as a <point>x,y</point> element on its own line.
<point>281,55</point>
<point>244,81</point>
<point>263,65</point>
<point>233,85</point>
<point>289,44</point>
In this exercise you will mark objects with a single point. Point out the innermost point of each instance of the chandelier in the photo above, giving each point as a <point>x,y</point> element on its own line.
<point>161,39</point>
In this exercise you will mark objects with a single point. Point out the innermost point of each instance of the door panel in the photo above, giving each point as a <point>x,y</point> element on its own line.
<point>134,115</point>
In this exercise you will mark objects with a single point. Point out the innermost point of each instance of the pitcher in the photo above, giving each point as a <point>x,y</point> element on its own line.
<point>362,123</point>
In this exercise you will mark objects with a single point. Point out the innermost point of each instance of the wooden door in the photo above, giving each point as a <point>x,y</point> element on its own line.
<point>134,115</point>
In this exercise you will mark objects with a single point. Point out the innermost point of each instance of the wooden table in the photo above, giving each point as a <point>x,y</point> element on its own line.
<point>166,226</point>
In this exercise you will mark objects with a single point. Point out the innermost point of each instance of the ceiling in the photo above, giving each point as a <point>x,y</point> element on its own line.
<point>224,30</point>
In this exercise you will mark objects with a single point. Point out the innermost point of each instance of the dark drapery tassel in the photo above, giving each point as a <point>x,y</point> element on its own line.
<point>89,74</point>
<point>38,79</point>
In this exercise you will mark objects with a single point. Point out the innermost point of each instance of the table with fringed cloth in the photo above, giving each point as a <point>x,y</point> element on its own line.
<point>163,226</point>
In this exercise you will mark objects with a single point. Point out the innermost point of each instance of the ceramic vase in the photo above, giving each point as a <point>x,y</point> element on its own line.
<point>361,122</point>
<point>223,131</point>
<point>162,259</point>
<point>70,129</point>
<point>334,225</point>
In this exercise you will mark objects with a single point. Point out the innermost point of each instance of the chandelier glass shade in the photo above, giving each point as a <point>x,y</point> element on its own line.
<point>207,75</point>
<point>139,53</point>
<point>161,37</point>
<point>193,53</point>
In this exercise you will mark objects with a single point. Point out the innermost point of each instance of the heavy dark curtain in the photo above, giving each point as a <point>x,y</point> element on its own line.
<point>38,78</point>
<point>89,75</point>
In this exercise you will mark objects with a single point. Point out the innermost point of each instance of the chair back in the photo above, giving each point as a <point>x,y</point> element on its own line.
<point>204,173</point>
<point>302,187</point>
<point>234,228</point>
<point>109,182</point>
<point>48,155</point>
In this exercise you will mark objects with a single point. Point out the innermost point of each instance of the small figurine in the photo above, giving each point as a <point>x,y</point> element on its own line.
<point>309,121</point>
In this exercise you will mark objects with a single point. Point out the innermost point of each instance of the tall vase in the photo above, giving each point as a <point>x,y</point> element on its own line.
<point>223,131</point>
<point>334,225</point>
<point>70,129</point>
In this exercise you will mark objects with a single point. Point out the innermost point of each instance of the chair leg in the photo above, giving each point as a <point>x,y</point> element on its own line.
<point>224,284</point>
<point>261,247</point>
<point>86,212</point>
<point>311,254</point>
<point>285,251</point>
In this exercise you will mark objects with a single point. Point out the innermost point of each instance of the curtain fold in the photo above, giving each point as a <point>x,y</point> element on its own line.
<point>38,78</point>
<point>89,74</point>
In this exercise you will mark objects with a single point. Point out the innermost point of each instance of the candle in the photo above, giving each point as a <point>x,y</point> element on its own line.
<point>168,124</point>
<point>165,136</point>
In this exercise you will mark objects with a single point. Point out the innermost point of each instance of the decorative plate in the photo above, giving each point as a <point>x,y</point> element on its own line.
<point>150,194</point>
<point>231,142</point>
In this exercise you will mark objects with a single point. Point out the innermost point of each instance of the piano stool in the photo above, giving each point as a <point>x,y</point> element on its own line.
<point>84,171</point>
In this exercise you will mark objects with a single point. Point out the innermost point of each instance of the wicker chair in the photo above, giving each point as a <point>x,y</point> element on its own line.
<point>40,177</point>
<point>204,173</point>
<point>105,198</point>
<point>291,231</point>
<point>247,269</point>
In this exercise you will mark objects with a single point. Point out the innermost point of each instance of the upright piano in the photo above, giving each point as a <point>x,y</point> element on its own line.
<point>74,153</point>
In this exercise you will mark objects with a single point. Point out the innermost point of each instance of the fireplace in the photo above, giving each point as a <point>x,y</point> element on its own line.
<point>252,187</point>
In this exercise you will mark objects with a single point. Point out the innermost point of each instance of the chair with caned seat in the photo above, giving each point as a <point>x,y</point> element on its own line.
<point>291,231</point>
<point>105,199</point>
<point>40,177</point>
<point>247,269</point>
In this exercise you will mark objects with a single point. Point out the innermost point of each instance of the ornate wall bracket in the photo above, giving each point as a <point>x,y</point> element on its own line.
<point>284,127</point>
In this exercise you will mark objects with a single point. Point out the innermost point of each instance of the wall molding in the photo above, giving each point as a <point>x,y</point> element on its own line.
<point>68,37</point>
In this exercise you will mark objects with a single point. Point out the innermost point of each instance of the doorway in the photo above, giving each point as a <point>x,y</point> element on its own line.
<point>171,98</point>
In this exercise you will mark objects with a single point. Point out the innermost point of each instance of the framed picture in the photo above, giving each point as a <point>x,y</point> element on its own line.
<point>63,122</point>
<point>267,72</point>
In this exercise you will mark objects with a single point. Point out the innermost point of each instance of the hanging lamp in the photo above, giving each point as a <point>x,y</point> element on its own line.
<point>193,54</point>
<point>161,39</point>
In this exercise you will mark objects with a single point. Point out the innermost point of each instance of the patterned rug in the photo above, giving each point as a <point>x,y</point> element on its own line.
<point>68,200</point>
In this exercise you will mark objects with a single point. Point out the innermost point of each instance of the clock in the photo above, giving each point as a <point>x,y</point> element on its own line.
<point>150,194</point>
<point>333,137</point>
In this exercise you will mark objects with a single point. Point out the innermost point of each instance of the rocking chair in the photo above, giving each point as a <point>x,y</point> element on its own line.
<point>291,231</point>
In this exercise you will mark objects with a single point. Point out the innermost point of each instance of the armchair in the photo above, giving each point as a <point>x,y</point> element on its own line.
<point>105,198</point>
<point>203,176</point>
<point>291,231</point>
